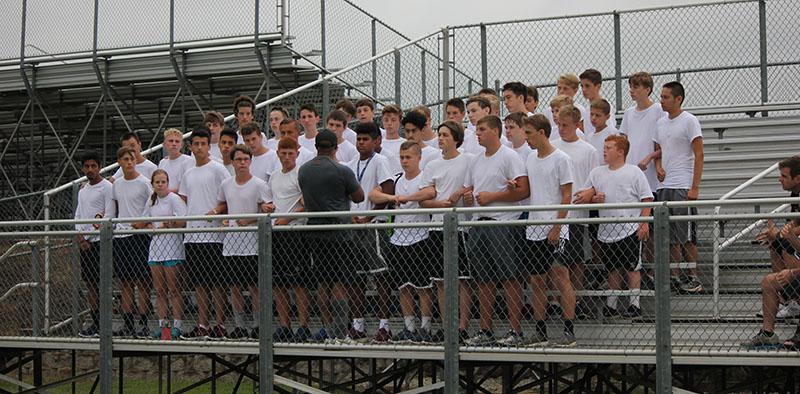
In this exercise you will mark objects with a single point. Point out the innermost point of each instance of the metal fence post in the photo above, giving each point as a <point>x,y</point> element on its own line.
<point>326,99</point>
<point>106,294</point>
<point>397,79</point>
<point>423,82</point>
<point>662,285</point>
<point>484,59</point>
<point>762,35</point>
<point>374,52</point>
<point>36,296</point>
<point>450,254</point>
<point>265,349</point>
<point>445,68</point>
<point>617,61</point>
<point>75,263</point>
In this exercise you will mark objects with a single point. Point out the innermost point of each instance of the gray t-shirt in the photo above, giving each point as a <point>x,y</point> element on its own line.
<point>326,186</point>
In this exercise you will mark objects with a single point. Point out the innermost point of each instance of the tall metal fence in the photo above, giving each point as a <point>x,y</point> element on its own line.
<point>459,288</point>
<point>727,53</point>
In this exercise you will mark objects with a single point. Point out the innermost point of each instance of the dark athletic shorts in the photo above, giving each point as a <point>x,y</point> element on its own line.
<point>623,255</point>
<point>241,270</point>
<point>540,256</point>
<point>411,265</point>
<point>575,249</point>
<point>680,232</point>
<point>437,252</point>
<point>204,264</point>
<point>493,252</point>
<point>130,257</point>
<point>90,263</point>
<point>333,259</point>
<point>291,259</point>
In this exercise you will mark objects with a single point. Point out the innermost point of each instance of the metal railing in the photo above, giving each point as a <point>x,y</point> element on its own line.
<point>670,325</point>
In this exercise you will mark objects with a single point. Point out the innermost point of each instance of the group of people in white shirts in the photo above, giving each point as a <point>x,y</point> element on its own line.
<point>570,154</point>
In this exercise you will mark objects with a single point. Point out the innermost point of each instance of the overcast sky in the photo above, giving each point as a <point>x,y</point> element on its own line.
<point>417,17</point>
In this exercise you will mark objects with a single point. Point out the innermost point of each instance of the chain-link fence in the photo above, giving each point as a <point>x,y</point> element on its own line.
<point>512,284</point>
<point>720,63</point>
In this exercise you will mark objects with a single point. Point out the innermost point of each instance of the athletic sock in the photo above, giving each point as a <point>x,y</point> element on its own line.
<point>410,324</point>
<point>426,323</point>
<point>634,299</point>
<point>384,324</point>
<point>177,323</point>
<point>611,301</point>
<point>163,322</point>
<point>358,324</point>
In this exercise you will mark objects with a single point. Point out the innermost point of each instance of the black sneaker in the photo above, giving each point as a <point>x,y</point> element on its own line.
<point>283,334</point>
<point>143,333</point>
<point>482,338</point>
<point>632,312</point>
<point>124,332</point>
<point>303,334</point>
<point>675,284</point>
<point>691,285</point>
<point>554,311</point>
<point>238,333</point>
<point>609,312</point>
<point>218,333</point>
<point>197,334</point>
<point>463,335</point>
<point>648,281</point>
<point>438,336</point>
<point>582,311</point>
<point>406,336</point>
<point>91,331</point>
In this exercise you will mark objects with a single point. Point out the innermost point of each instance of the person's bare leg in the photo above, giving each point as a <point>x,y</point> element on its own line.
<point>282,306</point>
<point>160,286</point>
<point>301,299</point>
<point>486,297</point>
<point>203,315</point>
<point>220,304</point>
<point>560,275</point>
<point>464,304</point>
<point>174,288</point>
<point>769,301</point>
<point>323,304</point>
<point>143,285</point>
<point>514,297</point>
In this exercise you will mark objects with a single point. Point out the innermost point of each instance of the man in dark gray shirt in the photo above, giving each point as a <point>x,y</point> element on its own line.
<point>329,186</point>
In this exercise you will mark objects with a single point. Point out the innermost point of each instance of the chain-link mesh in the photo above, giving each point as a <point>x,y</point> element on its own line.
<point>76,18</point>
<point>10,30</point>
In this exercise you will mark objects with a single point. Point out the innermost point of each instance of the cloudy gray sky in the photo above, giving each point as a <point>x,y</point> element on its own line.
<point>417,17</point>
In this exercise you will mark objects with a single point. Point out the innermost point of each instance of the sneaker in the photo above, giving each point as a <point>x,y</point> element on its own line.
<point>793,343</point>
<point>382,335</point>
<point>321,335</point>
<point>648,281</point>
<point>238,333</point>
<point>789,310</point>
<point>675,283</point>
<point>463,336</point>
<point>156,334</point>
<point>538,339</point>
<point>144,333</point>
<point>282,334</point>
<point>218,333</point>
<point>582,311</point>
<point>438,336</point>
<point>632,312</point>
<point>176,333</point>
<point>424,335</point>
<point>303,334</point>
<point>356,336</point>
<point>512,339</point>
<point>91,331</point>
<point>197,333</point>
<point>254,333</point>
<point>553,311</point>
<point>567,341</point>
<point>123,332</point>
<point>610,313</point>
<point>692,285</point>
<point>762,340</point>
<point>482,338</point>
<point>406,336</point>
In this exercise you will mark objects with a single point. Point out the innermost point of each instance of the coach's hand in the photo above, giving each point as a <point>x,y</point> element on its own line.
<point>768,235</point>
<point>785,276</point>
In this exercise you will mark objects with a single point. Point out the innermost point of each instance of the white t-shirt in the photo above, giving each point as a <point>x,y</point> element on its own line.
<point>675,137</point>
<point>548,113</point>
<point>640,127</point>
<point>409,236</point>
<point>471,145</point>
<point>597,140</point>
<point>215,153</point>
<point>230,168</point>
<point>394,160</point>
<point>175,168</point>
<point>447,177</point>
<point>428,155</point>
<point>587,124</point>
<point>350,135</point>
<point>584,158</point>
<point>546,176</point>
<point>370,173</point>
<point>166,247</point>
<point>433,142</point>
<point>308,143</point>
<point>272,144</point>
<point>92,201</point>
<point>491,174</point>
<point>200,186</point>
<point>346,152</point>
<point>555,135</point>
<point>626,184</point>
<point>303,156</point>
<point>145,168</point>
<point>286,192</point>
<point>523,151</point>
<point>263,165</point>
<point>241,199</point>
<point>131,197</point>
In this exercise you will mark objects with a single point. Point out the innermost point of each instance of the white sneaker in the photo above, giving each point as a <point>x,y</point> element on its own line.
<point>789,310</point>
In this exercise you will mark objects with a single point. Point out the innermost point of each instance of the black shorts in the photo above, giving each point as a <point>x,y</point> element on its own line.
<point>540,256</point>
<point>594,227</point>
<point>204,264</point>
<point>411,265</point>
<point>332,259</point>
<point>130,257</point>
<point>242,270</point>
<point>623,255</point>
<point>369,250</point>
<point>493,252</point>
<point>436,241</point>
<point>291,260</point>
<point>90,263</point>
<point>792,290</point>
<point>576,246</point>
<point>781,245</point>
<point>680,232</point>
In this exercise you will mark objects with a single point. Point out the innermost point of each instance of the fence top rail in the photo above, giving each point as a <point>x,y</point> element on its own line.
<point>606,13</point>
<point>457,210</point>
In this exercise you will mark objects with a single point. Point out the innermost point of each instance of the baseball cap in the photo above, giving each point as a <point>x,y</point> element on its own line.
<point>325,139</point>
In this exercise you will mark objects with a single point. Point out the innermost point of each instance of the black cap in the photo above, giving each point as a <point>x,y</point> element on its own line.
<point>325,139</point>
